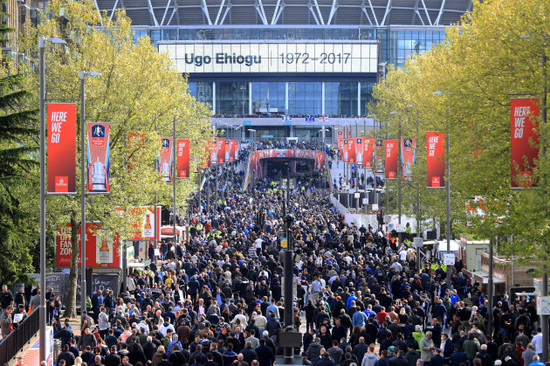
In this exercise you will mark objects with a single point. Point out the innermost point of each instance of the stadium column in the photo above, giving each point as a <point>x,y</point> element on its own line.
<point>288,281</point>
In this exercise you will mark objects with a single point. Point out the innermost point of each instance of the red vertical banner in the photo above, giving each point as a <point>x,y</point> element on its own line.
<point>98,157</point>
<point>61,148</point>
<point>351,150</point>
<point>359,151</point>
<point>165,159</point>
<point>340,135</point>
<point>211,156</point>
<point>524,143</point>
<point>379,154</point>
<point>435,161</point>
<point>341,149</point>
<point>227,151</point>
<point>408,157</point>
<point>368,149</point>
<point>346,150</point>
<point>348,134</point>
<point>182,158</point>
<point>232,150</point>
<point>390,147</point>
<point>220,150</point>
<point>236,149</point>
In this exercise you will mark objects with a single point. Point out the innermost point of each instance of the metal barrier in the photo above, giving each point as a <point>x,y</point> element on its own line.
<point>16,340</point>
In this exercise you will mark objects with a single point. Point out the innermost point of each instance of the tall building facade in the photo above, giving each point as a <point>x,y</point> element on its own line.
<point>273,69</point>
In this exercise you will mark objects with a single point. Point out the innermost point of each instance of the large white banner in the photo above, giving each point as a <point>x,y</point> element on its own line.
<point>360,57</point>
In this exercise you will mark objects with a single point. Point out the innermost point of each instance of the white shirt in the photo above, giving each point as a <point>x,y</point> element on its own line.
<point>537,342</point>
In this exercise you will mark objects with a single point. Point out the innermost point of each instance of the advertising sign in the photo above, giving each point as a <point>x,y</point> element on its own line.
<point>435,162</point>
<point>182,159</point>
<point>220,150</point>
<point>390,147</point>
<point>359,151</point>
<point>98,157</point>
<point>273,57</point>
<point>61,148</point>
<point>351,151</point>
<point>165,159</point>
<point>101,250</point>
<point>524,140</point>
<point>231,150</point>
<point>368,149</point>
<point>227,151</point>
<point>346,150</point>
<point>379,154</point>
<point>408,157</point>
<point>236,150</point>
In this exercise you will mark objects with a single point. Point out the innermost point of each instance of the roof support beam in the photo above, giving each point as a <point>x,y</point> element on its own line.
<point>426,11</point>
<point>387,12</point>
<point>225,13</point>
<point>99,12</point>
<point>113,11</point>
<point>364,9</point>
<point>320,15</point>
<point>152,13</point>
<point>373,13</point>
<point>441,10</point>
<point>333,9</point>
<point>260,9</point>
<point>277,15</point>
<point>204,8</point>
<point>310,7</point>
<point>219,12</point>
<point>165,12</point>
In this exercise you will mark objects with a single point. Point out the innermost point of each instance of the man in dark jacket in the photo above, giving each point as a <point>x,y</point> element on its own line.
<point>112,359</point>
<point>66,355</point>
<point>266,357</point>
<point>248,353</point>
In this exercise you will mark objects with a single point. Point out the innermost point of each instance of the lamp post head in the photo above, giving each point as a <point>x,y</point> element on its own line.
<point>90,73</point>
<point>43,40</point>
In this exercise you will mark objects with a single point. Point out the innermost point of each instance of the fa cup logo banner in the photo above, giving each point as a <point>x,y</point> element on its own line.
<point>98,157</point>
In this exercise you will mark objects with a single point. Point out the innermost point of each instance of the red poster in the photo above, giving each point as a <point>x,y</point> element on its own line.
<point>231,151</point>
<point>165,159</point>
<point>61,148</point>
<point>408,157</point>
<point>227,151</point>
<point>182,161</point>
<point>379,156</point>
<point>390,147</point>
<point>220,151</point>
<point>341,149</point>
<point>346,150</point>
<point>340,135</point>
<point>236,150</point>
<point>100,251</point>
<point>435,162</point>
<point>368,149</point>
<point>524,115</point>
<point>359,151</point>
<point>98,157</point>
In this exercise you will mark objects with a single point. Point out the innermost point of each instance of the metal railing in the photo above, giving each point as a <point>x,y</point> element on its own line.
<point>16,340</point>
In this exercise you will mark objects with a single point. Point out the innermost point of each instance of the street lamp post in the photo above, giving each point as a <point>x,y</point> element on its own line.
<point>399,174</point>
<point>42,312</point>
<point>83,289</point>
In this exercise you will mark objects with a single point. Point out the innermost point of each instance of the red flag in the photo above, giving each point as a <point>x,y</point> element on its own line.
<point>379,156</point>
<point>408,157</point>
<point>182,162</point>
<point>524,140</point>
<point>351,150</point>
<point>232,150</point>
<point>61,148</point>
<point>390,147</point>
<point>220,150</point>
<point>368,148</point>
<point>435,162</point>
<point>165,159</point>
<point>98,157</point>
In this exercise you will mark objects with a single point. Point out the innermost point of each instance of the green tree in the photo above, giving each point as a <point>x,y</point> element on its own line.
<point>17,146</point>
<point>138,91</point>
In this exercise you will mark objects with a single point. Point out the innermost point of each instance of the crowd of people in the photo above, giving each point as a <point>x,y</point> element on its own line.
<point>360,299</point>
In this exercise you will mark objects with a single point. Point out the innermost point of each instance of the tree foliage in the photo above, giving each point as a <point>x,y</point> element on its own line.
<point>494,54</point>
<point>138,91</point>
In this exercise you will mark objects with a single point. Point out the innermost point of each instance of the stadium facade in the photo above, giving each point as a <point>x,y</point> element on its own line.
<point>273,69</point>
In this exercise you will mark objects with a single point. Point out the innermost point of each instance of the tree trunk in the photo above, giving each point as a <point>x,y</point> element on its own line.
<point>70,307</point>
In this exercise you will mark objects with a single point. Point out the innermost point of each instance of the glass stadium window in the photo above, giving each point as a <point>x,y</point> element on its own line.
<point>304,98</point>
<point>169,34</point>
<point>366,96</point>
<point>229,97</point>
<point>341,98</point>
<point>268,97</point>
<point>202,91</point>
